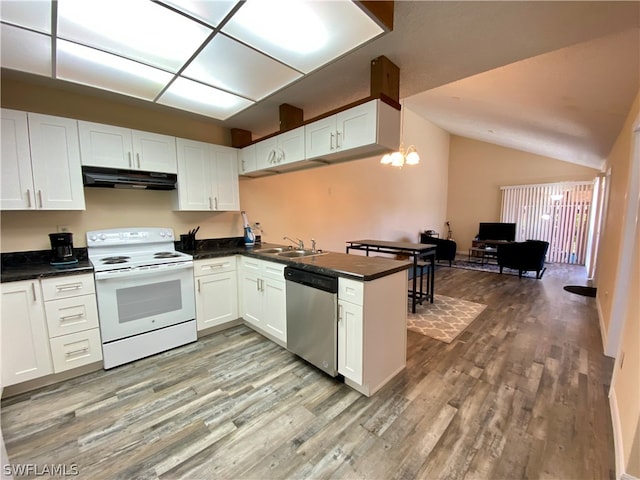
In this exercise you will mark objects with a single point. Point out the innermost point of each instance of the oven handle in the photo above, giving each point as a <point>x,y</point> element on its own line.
<point>148,270</point>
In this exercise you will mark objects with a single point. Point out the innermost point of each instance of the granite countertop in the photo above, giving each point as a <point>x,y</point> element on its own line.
<point>358,267</point>
<point>18,266</point>
<point>30,265</point>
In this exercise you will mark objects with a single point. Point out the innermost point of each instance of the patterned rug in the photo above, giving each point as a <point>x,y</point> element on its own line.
<point>486,267</point>
<point>444,319</point>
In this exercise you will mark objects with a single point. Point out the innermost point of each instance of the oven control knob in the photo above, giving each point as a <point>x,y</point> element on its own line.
<point>103,237</point>
<point>93,238</point>
<point>168,234</point>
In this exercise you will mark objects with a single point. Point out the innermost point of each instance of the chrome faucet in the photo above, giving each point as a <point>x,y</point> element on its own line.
<point>299,243</point>
<point>313,245</point>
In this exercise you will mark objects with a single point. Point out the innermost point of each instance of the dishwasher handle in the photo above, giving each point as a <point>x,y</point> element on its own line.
<point>311,279</point>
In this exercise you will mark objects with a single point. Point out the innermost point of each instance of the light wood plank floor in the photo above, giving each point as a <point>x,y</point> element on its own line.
<point>522,393</point>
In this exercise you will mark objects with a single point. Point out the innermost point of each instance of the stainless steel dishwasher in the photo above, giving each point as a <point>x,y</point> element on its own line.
<point>312,318</point>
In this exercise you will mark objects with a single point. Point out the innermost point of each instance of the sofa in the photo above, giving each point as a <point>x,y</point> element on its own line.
<point>445,249</point>
<point>526,256</point>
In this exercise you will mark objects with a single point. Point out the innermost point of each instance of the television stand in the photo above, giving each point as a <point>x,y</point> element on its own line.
<point>485,249</point>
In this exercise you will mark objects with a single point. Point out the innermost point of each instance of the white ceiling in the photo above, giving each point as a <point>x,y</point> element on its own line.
<point>553,78</point>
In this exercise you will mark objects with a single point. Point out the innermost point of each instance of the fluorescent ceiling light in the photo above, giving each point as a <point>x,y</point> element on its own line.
<point>196,97</point>
<point>172,51</point>
<point>142,30</point>
<point>210,12</point>
<point>229,65</point>
<point>34,15</point>
<point>25,51</point>
<point>85,65</point>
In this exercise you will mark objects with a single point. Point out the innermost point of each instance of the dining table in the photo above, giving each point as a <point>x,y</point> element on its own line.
<point>418,252</point>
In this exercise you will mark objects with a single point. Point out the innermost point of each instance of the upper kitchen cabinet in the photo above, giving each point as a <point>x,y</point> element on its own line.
<point>117,147</point>
<point>40,162</point>
<point>207,177</point>
<point>365,129</point>
<point>276,154</point>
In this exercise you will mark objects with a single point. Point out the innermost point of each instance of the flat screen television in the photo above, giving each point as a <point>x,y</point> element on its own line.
<point>497,231</point>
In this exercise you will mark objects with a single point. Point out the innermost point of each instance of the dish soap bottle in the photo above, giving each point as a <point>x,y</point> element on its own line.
<point>249,237</point>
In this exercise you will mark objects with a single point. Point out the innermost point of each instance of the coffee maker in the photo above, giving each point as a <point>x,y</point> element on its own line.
<point>62,249</point>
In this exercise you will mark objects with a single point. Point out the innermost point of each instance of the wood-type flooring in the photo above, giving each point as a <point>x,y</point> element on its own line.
<point>521,393</point>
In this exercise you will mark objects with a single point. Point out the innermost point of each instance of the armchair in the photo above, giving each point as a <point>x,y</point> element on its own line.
<point>445,249</point>
<point>524,256</point>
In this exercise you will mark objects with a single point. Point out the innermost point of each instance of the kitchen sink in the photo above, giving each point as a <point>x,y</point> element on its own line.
<point>271,250</point>
<point>299,253</point>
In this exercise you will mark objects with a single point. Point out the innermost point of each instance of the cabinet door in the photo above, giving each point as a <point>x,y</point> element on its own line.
<point>356,126</point>
<point>17,180</point>
<point>275,308</point>
<point>291,145</point>
<point>216,299</point>
<point>154,152</point>
<point>105,145</point>
<point>55,159</point>
<point>194,175</point>
<point>26,352</point>
<point>251,294</point>
<point>247,160</point>
<point>266,153</point>
<point>350,340</point>
<point>320,137</point>
<point>227,187</point>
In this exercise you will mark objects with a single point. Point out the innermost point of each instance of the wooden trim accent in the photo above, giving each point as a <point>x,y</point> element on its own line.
<point>290,117</point>
<point>240,138</point>
<point>381,11</point>
<point>385,78</point>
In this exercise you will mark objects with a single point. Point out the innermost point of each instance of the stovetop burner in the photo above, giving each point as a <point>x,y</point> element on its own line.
<point>115,259</point>
<point>166,255</point>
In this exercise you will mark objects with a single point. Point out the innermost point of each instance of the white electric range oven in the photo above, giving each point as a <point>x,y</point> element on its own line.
<point>145,292</point>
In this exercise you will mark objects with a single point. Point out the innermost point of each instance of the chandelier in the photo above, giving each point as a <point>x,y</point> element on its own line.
<point>401,157</point>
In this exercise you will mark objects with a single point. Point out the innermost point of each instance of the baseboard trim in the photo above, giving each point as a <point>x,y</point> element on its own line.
<point>617,438</point>
<point>603,330</point>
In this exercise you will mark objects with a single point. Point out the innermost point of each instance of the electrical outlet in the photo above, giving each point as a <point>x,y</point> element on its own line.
<point>62,228</point>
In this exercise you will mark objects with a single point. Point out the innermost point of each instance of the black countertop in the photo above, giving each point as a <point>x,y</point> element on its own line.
<point>18,266</point>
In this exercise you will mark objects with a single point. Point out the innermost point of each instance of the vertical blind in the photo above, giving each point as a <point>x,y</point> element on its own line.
<point>555,212</point>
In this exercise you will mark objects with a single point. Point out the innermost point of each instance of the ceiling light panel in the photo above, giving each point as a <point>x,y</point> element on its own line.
<point>231,66</point>
<point>144,31</point>
<point>88,66</point>
<point>195,97</point>
<point>207,11</point>
<point>25,51</point>
<point>35,15</point>
<point>304,34</point>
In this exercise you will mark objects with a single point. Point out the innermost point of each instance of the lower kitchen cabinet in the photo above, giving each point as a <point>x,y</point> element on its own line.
<point>372,330</point>
<point>26,351</point>
<point>216,291</point>
<point>263,297</point>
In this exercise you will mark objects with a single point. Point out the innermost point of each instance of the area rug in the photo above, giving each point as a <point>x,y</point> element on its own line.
<point>584,291</point>
<point>487,267</point>
<point>444,319</point>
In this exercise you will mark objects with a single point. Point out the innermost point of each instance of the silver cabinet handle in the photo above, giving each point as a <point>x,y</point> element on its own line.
<point>198,285</point>
<point>210,204</point>
<point>338,145</point>
<point>216,202</point>
<point>29,204</point>
<point>68,286</point>
<point>40,197</point>
<point>331,142</point>
<point>71,317</point>
<point>75,352</point>
<point>130,160</point>
<point>339,313</point>
<point>33,292</point>
<point>138,159</point>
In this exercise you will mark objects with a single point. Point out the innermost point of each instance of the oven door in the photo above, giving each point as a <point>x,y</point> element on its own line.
<point>142,299</point>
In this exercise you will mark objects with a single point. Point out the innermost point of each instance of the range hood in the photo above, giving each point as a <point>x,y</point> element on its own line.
<point>116,178</point>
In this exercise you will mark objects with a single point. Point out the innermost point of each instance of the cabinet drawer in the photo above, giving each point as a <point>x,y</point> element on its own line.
<point>68,286</point>
<point>76,349</point>
<point>351,291</point>
<point>273,270</point>
<point>214,265</point>
<point>70,315</point>
<point>251,264</point>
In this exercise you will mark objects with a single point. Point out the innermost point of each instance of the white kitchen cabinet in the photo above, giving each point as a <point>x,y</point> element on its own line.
<point>247,160</point>
<point>282,149</point>
<point>370,321</point>
<point>364,129</point>
<point>72,318</point>
<point>216,291</point>
<point>207,177</point>
<point>26,352</point>
<point>263,297</point>
<point>117,147</point>
<point>40,162</point>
